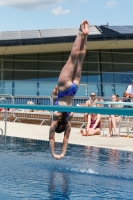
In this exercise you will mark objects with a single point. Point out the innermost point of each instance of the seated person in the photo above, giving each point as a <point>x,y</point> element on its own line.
<point>124,95</point>
<point>113,118</point>
<point>91,102</point>
<point>30,103</point>
<point>99,98</point>
<point>118,98</point>
<point>127,99</point>
<point>93,125</point>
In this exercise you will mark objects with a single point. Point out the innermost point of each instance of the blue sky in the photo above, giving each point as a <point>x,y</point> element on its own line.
<point>44,14</point>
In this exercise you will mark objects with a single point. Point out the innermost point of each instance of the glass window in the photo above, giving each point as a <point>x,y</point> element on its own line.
<point>82,90</point>
<point>0,61</point>
<point>93,77</point>
<point>107,77</point>
<point>46,88</point>
<point>123,78</point>
<point>26,62</point>
<point>50,65</point>
<point>107,89</point>
<point>25,87</point>
<point>50,61</point>
<point>7,75</point>
<point>122,60</point>
<point>106,61</point>
<point>48,76</point>
<point>25,75</point>
<point>92,61</point>
<point>8,62</point>
<point>87,77</point>
<point>120,88</point>
<point>8,87</point>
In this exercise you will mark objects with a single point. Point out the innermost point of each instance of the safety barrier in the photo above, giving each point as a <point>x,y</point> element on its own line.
<point>44,116</point>
<point>8,99</point>
<point>37,100</point>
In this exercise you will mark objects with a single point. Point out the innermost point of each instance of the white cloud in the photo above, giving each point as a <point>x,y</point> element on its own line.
<point>111,4</point>
<point>29,4</point>
<point>59,10</point>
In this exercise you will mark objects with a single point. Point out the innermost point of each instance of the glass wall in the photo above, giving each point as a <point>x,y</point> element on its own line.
<point>104,72</point>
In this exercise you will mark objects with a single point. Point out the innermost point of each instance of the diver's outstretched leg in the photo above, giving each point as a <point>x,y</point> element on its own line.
<point>67,72</point>
<point>78,69</point>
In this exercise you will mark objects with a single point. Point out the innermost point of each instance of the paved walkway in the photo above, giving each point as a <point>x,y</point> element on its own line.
<point>38,132</point>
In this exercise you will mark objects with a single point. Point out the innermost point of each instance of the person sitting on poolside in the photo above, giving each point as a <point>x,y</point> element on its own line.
<point>99,99</point>
<point>30,103</point>
<point>93,125</point>
<point>113,118</point>
<point>127,99</point>
<point>90,102</point>
<point>68,83</point>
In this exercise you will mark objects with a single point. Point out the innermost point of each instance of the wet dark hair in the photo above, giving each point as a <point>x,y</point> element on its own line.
<point>60,128</point>
<point>62,123</point>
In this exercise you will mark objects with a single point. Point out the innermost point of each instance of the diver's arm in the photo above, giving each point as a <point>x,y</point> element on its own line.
<point>65,140</point>
<point>52,136</point>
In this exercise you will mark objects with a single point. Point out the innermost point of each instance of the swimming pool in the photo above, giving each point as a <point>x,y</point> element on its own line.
<point>27,171</point>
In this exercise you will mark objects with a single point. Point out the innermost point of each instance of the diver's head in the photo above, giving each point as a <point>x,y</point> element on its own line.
<point>61,123</point>
<point>60,127</point>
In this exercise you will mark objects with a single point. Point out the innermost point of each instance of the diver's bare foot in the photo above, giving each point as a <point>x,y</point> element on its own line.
<point>87,28</point>
<point>84,27</point>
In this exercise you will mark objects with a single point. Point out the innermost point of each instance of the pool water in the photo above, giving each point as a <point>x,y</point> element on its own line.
<point>27,171</point>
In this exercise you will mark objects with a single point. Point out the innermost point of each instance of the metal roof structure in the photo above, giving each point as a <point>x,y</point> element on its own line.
<point>53,40</point>
<point>63,35</point>
<point>122,29</point>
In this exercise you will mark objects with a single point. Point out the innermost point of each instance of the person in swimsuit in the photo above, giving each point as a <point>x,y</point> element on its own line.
<point>93,125</point>
<point>68,83</point>
<point>91,102</point>
<point>113,119</point>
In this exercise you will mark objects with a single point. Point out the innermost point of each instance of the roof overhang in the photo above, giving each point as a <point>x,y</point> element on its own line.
<point>91,45</point>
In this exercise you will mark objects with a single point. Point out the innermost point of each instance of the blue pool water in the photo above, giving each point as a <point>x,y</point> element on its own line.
<point>27,171</point>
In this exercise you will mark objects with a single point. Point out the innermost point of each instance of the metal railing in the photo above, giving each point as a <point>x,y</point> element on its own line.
<point>44,116</point>
<point>5,118</point>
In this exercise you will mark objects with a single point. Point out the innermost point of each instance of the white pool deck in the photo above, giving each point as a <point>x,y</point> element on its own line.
<point>38,132</point>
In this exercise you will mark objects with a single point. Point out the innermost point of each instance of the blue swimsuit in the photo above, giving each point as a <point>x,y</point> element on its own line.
<point>71,91</point>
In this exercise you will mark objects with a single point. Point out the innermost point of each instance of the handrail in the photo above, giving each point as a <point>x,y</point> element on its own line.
<point>1,99</point>
<point>7,95</point>
<point>116,103</point>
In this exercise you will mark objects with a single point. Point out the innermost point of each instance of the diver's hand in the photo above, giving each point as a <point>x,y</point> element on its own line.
<point>58,157</point>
